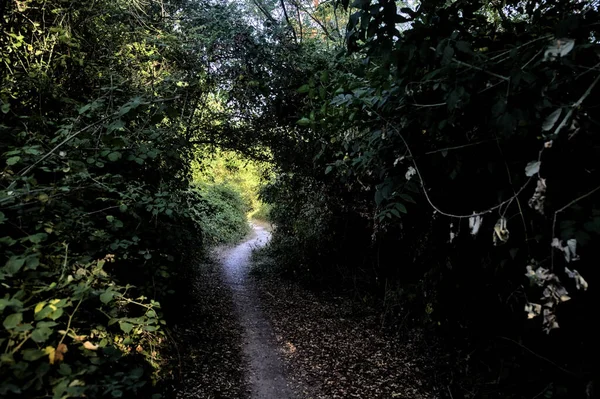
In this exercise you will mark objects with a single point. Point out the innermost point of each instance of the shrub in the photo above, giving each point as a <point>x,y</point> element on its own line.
<point>220,211</point>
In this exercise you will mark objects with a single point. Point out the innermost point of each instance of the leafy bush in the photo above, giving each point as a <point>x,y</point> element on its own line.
<point>220,212</point>
<point>262,213</point>
<point>454,145</point>
<point>95,216</point>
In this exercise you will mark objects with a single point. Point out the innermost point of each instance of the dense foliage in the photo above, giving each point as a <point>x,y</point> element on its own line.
<point>438,159</point>
<point>102,105</point>
<point>220,212</point>
<point>245,176</point>
<point>446,166</point>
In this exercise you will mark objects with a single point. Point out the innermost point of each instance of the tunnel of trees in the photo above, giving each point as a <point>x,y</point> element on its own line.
<point>436,159</point>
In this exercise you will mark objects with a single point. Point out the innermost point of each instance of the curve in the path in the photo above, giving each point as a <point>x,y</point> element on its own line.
<point>265,370</point>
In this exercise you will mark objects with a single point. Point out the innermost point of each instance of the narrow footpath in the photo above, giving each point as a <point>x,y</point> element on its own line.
<point>264,375</point>
<point>263,337</point>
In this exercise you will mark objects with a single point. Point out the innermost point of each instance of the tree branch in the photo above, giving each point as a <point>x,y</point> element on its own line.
<point>576,105</point>
<point>325,30</point>
<point>288,20</point>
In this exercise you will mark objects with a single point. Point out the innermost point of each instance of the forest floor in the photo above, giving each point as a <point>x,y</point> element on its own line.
<point>263,337</point>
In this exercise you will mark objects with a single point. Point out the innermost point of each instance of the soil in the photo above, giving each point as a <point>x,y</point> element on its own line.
<point>265,374</point>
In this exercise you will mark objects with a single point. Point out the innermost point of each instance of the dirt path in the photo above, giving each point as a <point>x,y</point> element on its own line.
<point>265,374</point>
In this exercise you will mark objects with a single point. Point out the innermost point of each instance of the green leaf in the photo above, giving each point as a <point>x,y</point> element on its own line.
<point>114,156</point>
<point>447,55</point>
<point>32,354</point>
<point>551,120</point>
<point>84,109</point>
<point>13,320</point>
<point>107,296</point>
<point>407,198</point>
<point>56,314</point>
<point>32,262</point>
<point>41,334</point>
<point>303,121</point>
<point>5,108</point>
<point>110,218</point>
<point>122,207</point>
<point>37,238</point>
<point>378,197</point>
<point>14,264</point>
<point>65,369</point>
<point>125,327</point>
<point>304,89</point>
<point>400,207</point>
<point>325,76</point>
<point>328,169</point>
<point>15,304</point>
<point>136,373</point>
<point>13,160</point>
<point>2,217</point>
<point>463,47</point>
<point>116,125</point>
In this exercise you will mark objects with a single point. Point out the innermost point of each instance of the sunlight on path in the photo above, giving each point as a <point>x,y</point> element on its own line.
<point>265,370</point>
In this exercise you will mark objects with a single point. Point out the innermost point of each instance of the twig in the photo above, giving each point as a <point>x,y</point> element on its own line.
<point>288,21</point>
<point>532,58</point>
<point>329,36</point>
<point>539,356</point>
<point>178,354</point>
<point>21,344</point>
<point>429,105</point>
<point>507,79</point>
<point>409,151</point>
<point>578,199</point>
<point>508,173</point>
<point>561,210</point>
<point>577,104</point>
<point>543,391</point>
<point>69,322</point>
<point>518,47</point>
<point>101,210</point>
<point>477,68</point>
<point>460,146</point>
<point>71,137</point>
<point>438,209</point>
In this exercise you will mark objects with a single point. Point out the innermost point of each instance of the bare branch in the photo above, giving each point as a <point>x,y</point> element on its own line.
<point>288,20</point>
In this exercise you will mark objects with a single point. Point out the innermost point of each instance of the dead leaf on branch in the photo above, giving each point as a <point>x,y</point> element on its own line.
<point>569,250</point>
<point>580,283</point>
<point>475,224</point>
<point>539,196</point>
<point>559,48</point>
<point>501,232</point>
<point>90,346</point>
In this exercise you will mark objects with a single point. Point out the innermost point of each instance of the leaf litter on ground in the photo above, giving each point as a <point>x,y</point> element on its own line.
<point>333,352</point>
<point>209,340</point>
